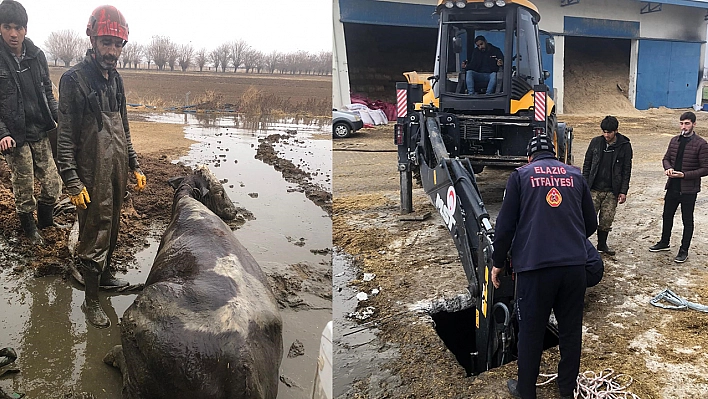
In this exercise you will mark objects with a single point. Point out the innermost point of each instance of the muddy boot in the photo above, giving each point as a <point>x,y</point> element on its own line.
<point>30,228</point>
<point>91,306</point>
<point>108,280</point>
<point>602,243</point>
<point>45,215</point>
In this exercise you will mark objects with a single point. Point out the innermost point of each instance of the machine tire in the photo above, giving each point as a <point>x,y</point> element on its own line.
<point>553,130</point>
<point>477,169</point>
<point>565,151</point>
<point>571,159</point>
<point>341,130</point>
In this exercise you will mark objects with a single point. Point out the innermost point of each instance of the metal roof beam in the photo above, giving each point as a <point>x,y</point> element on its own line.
<point>684,3</point>
<point>649,7</point>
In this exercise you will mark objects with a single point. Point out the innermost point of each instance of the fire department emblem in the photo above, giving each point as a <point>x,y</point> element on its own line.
<point>554,197</point>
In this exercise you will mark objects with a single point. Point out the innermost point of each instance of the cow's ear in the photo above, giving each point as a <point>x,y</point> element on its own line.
<point>175,182</point>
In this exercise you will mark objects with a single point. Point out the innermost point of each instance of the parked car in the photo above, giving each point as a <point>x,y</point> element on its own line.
<point>344,123</point>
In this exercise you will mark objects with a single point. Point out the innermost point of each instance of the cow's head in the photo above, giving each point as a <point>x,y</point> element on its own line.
<point>207,189</point>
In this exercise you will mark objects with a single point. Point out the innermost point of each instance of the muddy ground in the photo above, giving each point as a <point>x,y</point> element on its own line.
<point>417,269</point>
<point>164,88</point>
<point>149,211</point>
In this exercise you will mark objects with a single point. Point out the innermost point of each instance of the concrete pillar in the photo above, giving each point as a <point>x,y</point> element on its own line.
<point>558,71</point>
<point>633,57</point>
<point>340,67</point>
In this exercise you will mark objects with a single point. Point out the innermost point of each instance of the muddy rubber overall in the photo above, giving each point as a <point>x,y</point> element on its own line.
<point>103,168</point>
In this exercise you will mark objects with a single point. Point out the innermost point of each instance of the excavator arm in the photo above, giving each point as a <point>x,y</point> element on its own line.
<point>451,185</point>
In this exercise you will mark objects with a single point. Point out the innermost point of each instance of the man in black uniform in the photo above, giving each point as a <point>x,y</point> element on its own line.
<point>544,200</point>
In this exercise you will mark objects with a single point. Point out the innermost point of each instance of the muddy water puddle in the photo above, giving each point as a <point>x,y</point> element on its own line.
<point>42,320</point>
<point>358,353</point>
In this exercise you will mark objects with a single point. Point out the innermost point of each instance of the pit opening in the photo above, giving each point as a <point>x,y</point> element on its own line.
<point>457,330</point>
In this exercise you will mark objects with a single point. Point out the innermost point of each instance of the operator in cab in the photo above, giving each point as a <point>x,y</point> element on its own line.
<point>481,69</point>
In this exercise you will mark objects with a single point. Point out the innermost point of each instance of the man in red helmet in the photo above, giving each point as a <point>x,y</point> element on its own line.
<point>94,152</point>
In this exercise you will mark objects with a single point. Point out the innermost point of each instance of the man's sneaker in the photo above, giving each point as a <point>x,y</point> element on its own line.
<point>681,256</point>
<point>659,246</point>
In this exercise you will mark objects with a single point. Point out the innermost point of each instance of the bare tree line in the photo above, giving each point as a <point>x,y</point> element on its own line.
<point>68,46</point>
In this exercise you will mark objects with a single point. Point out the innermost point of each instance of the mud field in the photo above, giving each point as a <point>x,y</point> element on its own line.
<point>386,346</point>
<point>293,165</point>
<point>163,88</point>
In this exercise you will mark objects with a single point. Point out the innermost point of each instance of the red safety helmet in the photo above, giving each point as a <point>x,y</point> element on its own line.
<point>107,21</point>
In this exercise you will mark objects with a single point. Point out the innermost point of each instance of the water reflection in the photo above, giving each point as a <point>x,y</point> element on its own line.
<point>55,341</point>
<point>254,123</point>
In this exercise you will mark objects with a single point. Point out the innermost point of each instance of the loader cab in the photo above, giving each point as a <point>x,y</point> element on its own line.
<point>513,29</point>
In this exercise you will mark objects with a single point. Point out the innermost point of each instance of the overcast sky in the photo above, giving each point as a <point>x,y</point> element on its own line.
<point>267,25</point>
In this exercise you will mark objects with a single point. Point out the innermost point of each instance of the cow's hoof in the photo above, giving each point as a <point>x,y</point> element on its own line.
<point>111,357</point>
<point>95,314</point>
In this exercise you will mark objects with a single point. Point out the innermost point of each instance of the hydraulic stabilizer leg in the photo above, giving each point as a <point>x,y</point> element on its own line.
<point>406,188</point>
<point>404,168</point>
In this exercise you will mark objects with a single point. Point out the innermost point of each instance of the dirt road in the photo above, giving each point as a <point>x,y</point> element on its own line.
<point>417,272</point>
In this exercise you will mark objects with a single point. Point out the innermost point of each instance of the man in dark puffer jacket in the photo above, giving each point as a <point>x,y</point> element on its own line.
<point>28,111</point>
<point>607,169</point>
<point>685,162</point>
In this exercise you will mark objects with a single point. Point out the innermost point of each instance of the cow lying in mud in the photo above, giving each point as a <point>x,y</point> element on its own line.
<point>206,325</point>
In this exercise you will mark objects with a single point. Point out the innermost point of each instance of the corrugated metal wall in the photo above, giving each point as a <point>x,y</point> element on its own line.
<point>667,74</point>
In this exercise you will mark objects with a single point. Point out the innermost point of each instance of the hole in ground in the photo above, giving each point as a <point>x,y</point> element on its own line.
<point>457,330</point>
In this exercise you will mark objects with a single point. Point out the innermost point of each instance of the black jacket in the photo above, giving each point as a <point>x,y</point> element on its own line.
<point>81,108</point>
<point>485,61</point>
<point>621,162</point>
<point>12,114</point>
<point>544,199</point>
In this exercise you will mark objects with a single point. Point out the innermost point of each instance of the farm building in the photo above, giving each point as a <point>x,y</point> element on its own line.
<point>651,54</point>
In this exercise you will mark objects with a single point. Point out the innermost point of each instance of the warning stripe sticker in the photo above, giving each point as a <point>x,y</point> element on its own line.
<point>401,100</point>
<point>539,106</point>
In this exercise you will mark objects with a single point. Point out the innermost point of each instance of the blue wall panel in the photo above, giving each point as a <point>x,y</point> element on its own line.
<point>667,74</point>
<point>388,13</point>
<point>683,79</point>
<point>653,66</point>
<point>577,26</point>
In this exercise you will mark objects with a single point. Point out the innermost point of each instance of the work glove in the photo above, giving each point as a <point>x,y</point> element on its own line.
<point>77,193</point>
<point>140,177</point>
